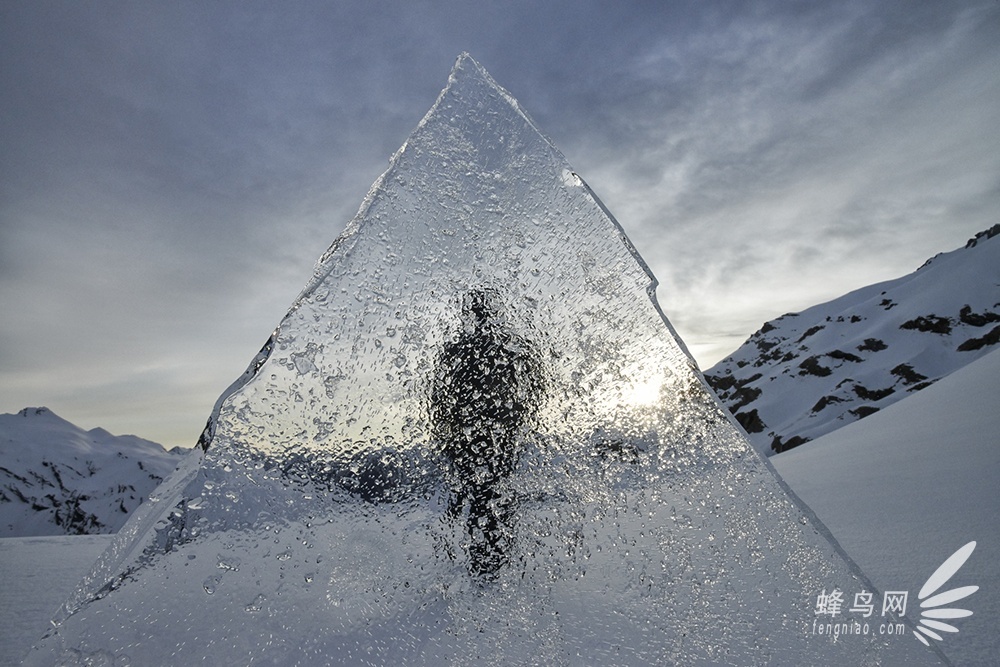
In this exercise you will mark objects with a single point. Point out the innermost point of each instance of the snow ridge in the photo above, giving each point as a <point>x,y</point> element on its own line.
<point>56,478</point>
<point>805,374</point>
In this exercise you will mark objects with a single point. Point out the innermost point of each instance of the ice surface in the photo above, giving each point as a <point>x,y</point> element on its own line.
<point>474,439</point>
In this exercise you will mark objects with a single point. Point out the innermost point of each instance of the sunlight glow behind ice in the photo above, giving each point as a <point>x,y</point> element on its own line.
<point>474,439</point>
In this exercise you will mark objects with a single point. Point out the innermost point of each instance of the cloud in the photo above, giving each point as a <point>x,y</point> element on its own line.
<point>795,170</point>
<point>170,172</point>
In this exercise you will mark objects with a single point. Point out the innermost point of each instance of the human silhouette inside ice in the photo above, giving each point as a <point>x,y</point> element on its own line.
<point>487,387</point>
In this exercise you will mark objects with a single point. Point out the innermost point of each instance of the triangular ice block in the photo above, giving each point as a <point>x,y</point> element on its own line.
<point>474,439</point>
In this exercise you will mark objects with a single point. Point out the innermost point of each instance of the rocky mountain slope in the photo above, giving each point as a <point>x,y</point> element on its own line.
<point>806,374</point>
<point>56,478</point>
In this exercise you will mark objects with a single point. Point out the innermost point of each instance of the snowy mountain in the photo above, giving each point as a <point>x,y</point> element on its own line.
<point>56,478</point>
<point>806,374</point>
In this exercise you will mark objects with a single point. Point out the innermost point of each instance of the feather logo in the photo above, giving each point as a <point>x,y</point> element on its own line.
<point>933,604</point>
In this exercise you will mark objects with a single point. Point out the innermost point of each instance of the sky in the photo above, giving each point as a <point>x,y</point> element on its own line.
<point>171,172</point>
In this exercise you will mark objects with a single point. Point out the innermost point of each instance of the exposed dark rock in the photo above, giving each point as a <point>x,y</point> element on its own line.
<point>55,473</point>
<point>863,411</point>
<point>720,383</point>
<point>825,401</point>
<point>766,328</point>
<point>929,324</point>
<point>977,319</point>
<point>855,319</point>
<point>844,356</point>
<point>779,445</point>
<point>776,354</point>
<point>810,331</point>
<point>872,345</point>
<point>928,262</point>
<point>766,345</point>
<point>887,303</point>
<point>811,366</point>
<point>74,519</point>
<point>751,421</point>
<point>991,338</point>
<point>866,394</point>
<point>906,373</point>
<point>743,396</point>
<point>9,473</point>
<point>983,236</point>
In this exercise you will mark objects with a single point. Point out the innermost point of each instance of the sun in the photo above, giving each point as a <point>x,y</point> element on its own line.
<point>645,393</point>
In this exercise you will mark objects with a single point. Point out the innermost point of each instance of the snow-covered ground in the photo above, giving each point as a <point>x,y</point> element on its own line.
<point>38,575</point>
<point>906,487</point>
